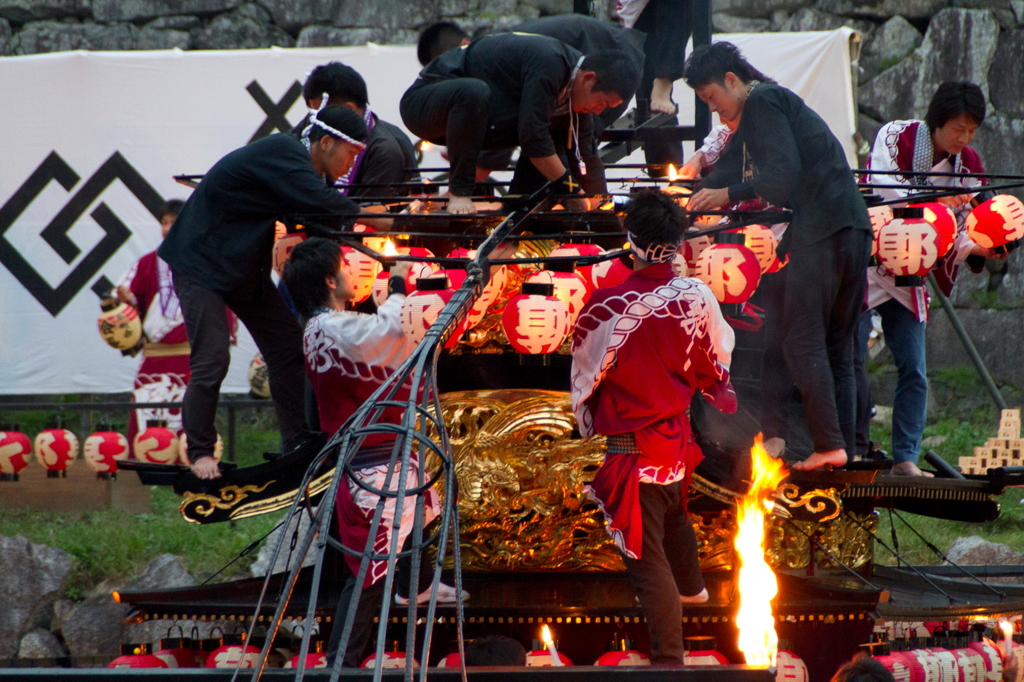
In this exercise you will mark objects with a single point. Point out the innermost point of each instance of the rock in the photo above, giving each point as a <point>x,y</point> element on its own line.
<point>809,19</point>
<point>51,36</point>
<point>1018,10</point>
<point>21,11</point>
<point>727,23</point>
<point>95,627</point>
<point>163,39</point>
<point>292,15</point>
<point>757,8</point>
<point>975,551</point>
<point>995,333</point>
<point>867,128</point>
<point>328,36</point>
<point>33,577</point>
<point>141,10</point>
<point>890,42</point>
<point>178,23</point>
<point>41,643</point>
<point>999,141</point>
<point>62,608</point>
<point>882,9</point>
<point>400,36</point>
<point>390,15</point>
<point>932,441</point>
<point>259,567</point>
<point>164,571</point>
<point>1006,74</point>
<point>5,37</point>
<point>959,45</point>
<point>244,28</point>
<point>459,8</point>
<point>778,19</point>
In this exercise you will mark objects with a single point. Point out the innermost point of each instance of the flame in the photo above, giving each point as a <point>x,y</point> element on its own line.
<point>756,581</point>
<point>389,248</point>
<point>673,174</point>
<point>1007,628</point>
<point>425,146</point>
<point>545,636</point>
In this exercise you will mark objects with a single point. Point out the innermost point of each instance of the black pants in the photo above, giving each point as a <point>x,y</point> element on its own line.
<point>667,567</point>
<point>821,302</point>
<point>261,309</point>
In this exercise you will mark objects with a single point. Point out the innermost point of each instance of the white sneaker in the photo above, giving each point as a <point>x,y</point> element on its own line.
<point>445,595</point>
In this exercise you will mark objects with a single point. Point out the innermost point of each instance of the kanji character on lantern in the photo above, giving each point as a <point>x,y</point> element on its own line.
<point>943,220</point>
<point>731,271</point>
<point>283,249</point>
<point>103,449</point>
<point>120,326</point>
<point>570,287</point>
<point>56,449</point>
<point>609,273</point>
<point>908,246</point>
<point>535,321</point>
<point>421,308</point>
<point>157,444</point>
<point>880,216</point>
<point>999,222</point>
<point>15,450</point>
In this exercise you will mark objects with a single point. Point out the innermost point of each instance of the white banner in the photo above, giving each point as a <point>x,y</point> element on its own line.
<point>90,141</point>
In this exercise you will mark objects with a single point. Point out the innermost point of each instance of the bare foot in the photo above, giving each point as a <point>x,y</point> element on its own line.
<point>661,97</point>
<point>909,469</point>
<point>836,458</point>
<point>775,447</point>
<point>206,468</point>
<point>460,205</point>
<point>699,598</point>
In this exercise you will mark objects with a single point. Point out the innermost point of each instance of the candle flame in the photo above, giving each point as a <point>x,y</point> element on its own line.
<point>425,146</point>
<point>756,581</point>
<point>389,248</point>
<point>545,636</point>
<point>673,174</point>
<point>1007,628</point>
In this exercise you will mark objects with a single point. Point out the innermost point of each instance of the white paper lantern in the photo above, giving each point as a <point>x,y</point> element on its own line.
<point>535,321</point>
<point>908,246</point>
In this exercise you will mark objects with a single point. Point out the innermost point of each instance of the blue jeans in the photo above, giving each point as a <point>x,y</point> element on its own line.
<point>904,336</point>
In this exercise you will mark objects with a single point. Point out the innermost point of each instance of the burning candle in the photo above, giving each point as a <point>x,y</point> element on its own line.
<point>1007,628</point>
<point>545,635</point>
<point>673,174</point>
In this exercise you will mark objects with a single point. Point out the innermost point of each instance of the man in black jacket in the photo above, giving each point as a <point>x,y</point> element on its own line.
<point>219,250</point>
<point>790,158</point>
<point>507,90</point>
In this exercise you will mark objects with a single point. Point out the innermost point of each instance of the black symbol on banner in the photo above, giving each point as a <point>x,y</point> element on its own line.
<point>275,112</point>
<point>56,232</point>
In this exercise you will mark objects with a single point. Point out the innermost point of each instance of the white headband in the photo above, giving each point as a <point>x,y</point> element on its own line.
<point>315,121</point>
<point>655,253</point>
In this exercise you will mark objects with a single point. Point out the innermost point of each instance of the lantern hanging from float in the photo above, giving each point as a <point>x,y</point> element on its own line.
<point>622,652</point>
<point>945,658</point>
<point>259,378</point>
<point>702,650</point>
<point>314,659</point>
<point>120,325</point>
<point>175,653</point>
<point>789,667</point>
<point>570,287</point>
<point>218,449</point>
<point>156,444</point>
<point>104,449</point>
<point>585,271</point>
<point>452,660</point>
<point>545,653</point>
<point>15,452</point>
<point>233,652</point>
<point>535,321</point>
<point>908,246</point>
<point>56,449</point>
<point>283,248</point>
<point>998,223</point>
<point>893,663</point>
<point>380,287</point>
<point>610,273</point>
<point>490,292</point>
<point>137,656</point>
<point>363,270</point>
<point>990,654</point>
<point>762,241</point>
<point>731,271</point>
<point>418,269</point>
<point>394,657</point>
<point>880,217</point>
<point>943,220</point>
<point>421,308</point>
<point>692,249</point>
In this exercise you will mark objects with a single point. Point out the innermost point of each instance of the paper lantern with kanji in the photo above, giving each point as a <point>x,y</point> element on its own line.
<point>120,325</point>
<point>491,289</point>
<point>136,656</point>
<point>692,249</point>
<point>586,271</point>
<point>313,660</point>
<point>999,222</point>
<point>450,661</point>
<point>418,269</point>
<point>731,271</point>
<point>56,449</point>
<point>789,667</point>
<point>233,653</point>
<point>421,308</point>
<point>175,654</point>
<point>392,659</point>
<point>880,217</point>
<point>380,287</point>
<point>15,451</point>
<point>610,273</point>
<point>570,288</point>
<point>702,650</point>
<point>908,246</point>
<point>761,240</point>
<point>993,661</point>
<point>218,449</point>
<point>897,666</point>
<point>535,321</point>
<point>363,270</point>
<point>156,444</point>
<point>943,220</point>
<point>627,657</point>
<point>283,248</point>
<point>541,658</point>
<point>103,449</point>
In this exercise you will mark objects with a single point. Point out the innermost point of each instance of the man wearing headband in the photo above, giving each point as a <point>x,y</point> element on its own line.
<point>219,251</point>
<point>513,90</point>
<point>640,351</point>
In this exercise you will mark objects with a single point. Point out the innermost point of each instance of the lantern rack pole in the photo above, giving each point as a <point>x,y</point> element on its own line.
<point>956,191</point>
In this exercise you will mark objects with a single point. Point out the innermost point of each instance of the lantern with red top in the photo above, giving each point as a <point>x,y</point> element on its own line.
<point>702,650</point>
<point>421,308</point>
<point>15,450</point>
<point>989,653</point>
<point>762,241</point>
<point>729,268</point>
<point>880,217</point>
<point>233,652</point>
<point>788,666</point>
<point>176,652</point>
<point>283,248</point>
<point>693,247</point>
<point>363,270</point>
<point>535,321</point>
<point>943,220</point>
<point>585,271</point>
<point>418,269</point>
<point>452,660</point>
<point>137,656</point>
<point>317,658</point>
<point>908,246</point>
<point>119,324</point>
<point>394,657</point>
<point>545,653</point>
<point>880,651</point>
<point>156,444</point>
<point>997,224</point>
<point>103,449</point>
<point>570,287</point>
<point>621,651</point>
<point>56,449</point>
<point>611,272</point>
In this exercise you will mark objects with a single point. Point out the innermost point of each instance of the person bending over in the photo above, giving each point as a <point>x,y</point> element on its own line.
<point>670,332</point>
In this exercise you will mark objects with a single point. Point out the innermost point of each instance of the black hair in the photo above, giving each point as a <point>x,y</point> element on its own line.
<point>307,270</point>
<point>495,650</point>
<point>339,81</point>
<point>170,207</point>
<point>709,64</point>
<point>952,99</point>
<point>341,119</point>
<point>615,71</point>
<point>863,668</point>
<point>653,217</point>
<point>437,39</point>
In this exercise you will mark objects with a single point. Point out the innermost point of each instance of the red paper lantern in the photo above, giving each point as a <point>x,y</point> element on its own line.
<point>450,661</point>
<point>175,654</point>
<point>283,248</point>
<point>136,656</point>
<point>880,217</point>
<point>15,450</point>
<point>156,444</point>
<point>896,665</point>
<point>392,659</point>
<point>943,220</point>
<point>218,449</point>
<point>316,658</point>
<point>949,671</point>
<point>421,308</point>
<point>56,449</point>
<point>762,241</point>
<point>259,377</point>
<point>908,246</point>
<point>692,249</point>
<point>997,222</point>
<point>418,269</point>
<point>586,271</point>
<point>790,667</point>
<point>380,287</point>
<point>970,664</point>
<point>541,658</point>
<point>993,661</point>
<point>731,271</point>
<point>702,650</point>
<point>535,321</point>
<point>120,326</point>
<point>570,288</point>
<point>491,291</point>
<point>627,657</point>
<point>609,273</point>
<point>233,653</point>
<point>103,449</point>
<point>363,271</point>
